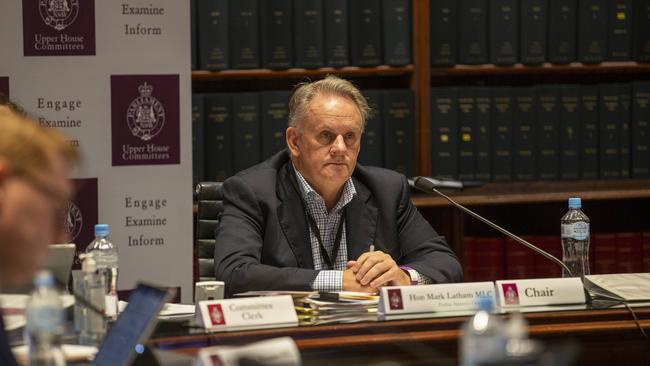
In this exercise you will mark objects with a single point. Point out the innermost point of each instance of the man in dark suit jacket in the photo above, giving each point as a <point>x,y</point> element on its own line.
<point>310,218</point>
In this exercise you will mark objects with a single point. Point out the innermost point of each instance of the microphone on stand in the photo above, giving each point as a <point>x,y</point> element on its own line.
<point>430,185</point>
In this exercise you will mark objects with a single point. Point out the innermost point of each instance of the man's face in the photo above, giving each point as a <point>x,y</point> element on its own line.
<point>30,220</point>
<point>325,149</point>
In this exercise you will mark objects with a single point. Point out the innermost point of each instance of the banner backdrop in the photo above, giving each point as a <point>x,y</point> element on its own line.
<point>115,78</point>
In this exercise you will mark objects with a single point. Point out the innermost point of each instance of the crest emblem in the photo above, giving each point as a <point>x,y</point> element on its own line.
<point>216,314</point>
<point>58,14</point>
<point>72,221</point>
<point>145,115</point>
<point>395,299</point>
<point>510,293</point>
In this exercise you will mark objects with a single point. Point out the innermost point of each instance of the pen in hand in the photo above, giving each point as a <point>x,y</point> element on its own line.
<point>371,248</point>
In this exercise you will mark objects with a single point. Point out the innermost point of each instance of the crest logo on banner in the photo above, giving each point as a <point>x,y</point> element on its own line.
<point>145,119</point>
<point>58,27</point>
<point>72,221</point>
<point>510,293</point>
<point>58,14</point>
<point>4,85</point>
<point>80,216</point>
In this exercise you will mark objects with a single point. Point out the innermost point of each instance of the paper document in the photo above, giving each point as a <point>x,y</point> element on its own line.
<point>622,287</point>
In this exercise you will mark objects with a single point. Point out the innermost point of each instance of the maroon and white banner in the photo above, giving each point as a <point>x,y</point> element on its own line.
<point>115,78</point>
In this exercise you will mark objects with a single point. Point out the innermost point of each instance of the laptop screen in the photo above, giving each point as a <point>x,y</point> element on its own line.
<point>133,327</point>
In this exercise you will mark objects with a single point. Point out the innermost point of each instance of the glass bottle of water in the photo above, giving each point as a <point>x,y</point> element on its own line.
<point>575,240</point>
<point>44,327</point>
<point>105,255</point>
<point>483,339</point>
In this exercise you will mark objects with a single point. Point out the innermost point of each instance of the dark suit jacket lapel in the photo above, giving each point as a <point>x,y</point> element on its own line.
<point>291,214</point>
<point>360,221</point>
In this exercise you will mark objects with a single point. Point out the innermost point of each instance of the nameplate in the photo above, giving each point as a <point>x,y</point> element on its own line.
<point>540,292</point>
<point>247,313</point>
<point>433,298</point>
<point>277,351</point>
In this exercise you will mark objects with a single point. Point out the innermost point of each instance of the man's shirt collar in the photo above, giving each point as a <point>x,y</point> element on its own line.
<point>309,194</point>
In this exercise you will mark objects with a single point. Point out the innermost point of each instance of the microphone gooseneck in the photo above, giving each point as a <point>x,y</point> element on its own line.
<point>426,185</point>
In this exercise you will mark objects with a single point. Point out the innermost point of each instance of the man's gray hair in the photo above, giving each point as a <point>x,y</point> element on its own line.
<point>305,92</point>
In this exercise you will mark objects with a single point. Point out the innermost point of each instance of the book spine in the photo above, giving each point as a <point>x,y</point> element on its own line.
<point>519,261</point>
<point>629,252</point>
<point>619,35</point>
<point>524,128</point>
<point>467,134</point>
<point>590,131</point>
<point>562,31</point>
<point>483,151</point>
<point>570,136</point>
<point>444,128</point>
<point>198,157</point>
<point>244,34</point>
<point>605,258</point>
<point>275,25</point>
<point>214,52</point>
<point>640,126</point>
<point>443,32</point>
<point>491,266</point>
<point>470,249</point>
<point>309,39</point>
<point>246,130</point>
<point>625,92</point>
<point>473,31</point>
<point>399,130</point>
<point>610,115</point>
<point>336,33</point>
<point>396,15</point>
<point>372,140</point>
<point>218,137</point>
<point>533,32</point>
<point>274,106</point>
<point>501,133</point>
<point>543,267</point>
<point>504,30</point>
<point>592,31</point>
<point>547,133</point>
<point>646,251</point>
<point>365,33</point>
<point>642,31</point>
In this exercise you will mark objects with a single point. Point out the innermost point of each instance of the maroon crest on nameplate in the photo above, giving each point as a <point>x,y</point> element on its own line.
<point>4,85</point>
<point>58,27</point>
<point>395,299</point>
<point>145,119</point>
<point>216,314</point>
<point>80,216</point>
<point>510,293</point>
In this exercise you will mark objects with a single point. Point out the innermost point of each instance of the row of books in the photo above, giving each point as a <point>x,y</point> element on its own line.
<point>495,258</point>
<point>532,32</point>
<point>543,132</point>
<point>281,34</point>
<point>233,131</point>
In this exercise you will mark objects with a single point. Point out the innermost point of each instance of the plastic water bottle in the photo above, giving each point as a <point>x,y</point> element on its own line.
<point>575,240</point>
<point>92,323</point>
<point>483,340</point>
<point>44,323</point>
<point>105,255</point>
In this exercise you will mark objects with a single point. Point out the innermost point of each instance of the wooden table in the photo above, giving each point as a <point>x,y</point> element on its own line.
<point>604,337</point>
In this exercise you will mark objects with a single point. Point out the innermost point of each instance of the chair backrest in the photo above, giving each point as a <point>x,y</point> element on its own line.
<point>209,208</point>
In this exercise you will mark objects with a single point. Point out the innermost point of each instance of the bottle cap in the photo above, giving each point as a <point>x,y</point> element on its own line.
<point>101,230</point>
<point>485,303</point>
<point>43,278</point>
<point>575,202</point>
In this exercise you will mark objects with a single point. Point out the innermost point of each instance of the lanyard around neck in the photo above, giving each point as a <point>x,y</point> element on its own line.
<point>329,260</point>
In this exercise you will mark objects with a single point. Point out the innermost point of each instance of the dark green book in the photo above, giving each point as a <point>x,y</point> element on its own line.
<point>218,137</point>
<point>619,35</point>
<point>214,52</point>
<point>396,15</point>
<point>365,32</point>
<point>472,43</point>
<point>336,14</point>
<point>444,132</point>
<point>399,130</point>
<point>244,34</point>
<point>198,157</point>
<point>641,39</point>
<point>640,130</point>
<point>274,106</point>
<point>504,32</point>
<point>590,128</point>
<point>466,133</point>
<point>592,31</point>
<point>625,93</point>
<point>570,136</point>
<point>372,140</point>
<point>562,18</point>
<point>548,137</point>
<point>276,31</point>
<point>246,130</point>
<point>308,33</point>
<point>524,149</point>
<point>533,31</point>
<point>501,133</point>
<point>483,104</point>
<point>610,131</point>
<point>443,37</point>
